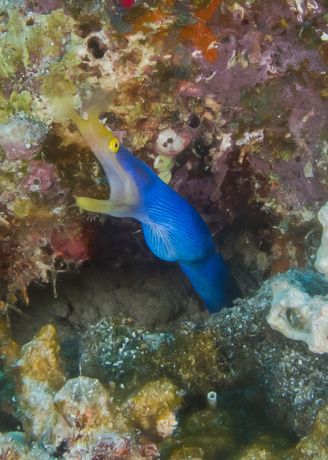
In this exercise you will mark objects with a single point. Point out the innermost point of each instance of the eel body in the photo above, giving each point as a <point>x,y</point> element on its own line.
<point>172,228</point>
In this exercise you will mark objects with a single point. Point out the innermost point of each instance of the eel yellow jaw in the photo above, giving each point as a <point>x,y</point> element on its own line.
<point>123,190</point>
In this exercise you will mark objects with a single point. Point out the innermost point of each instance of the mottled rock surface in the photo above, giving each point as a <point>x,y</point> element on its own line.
<point>240,347</point>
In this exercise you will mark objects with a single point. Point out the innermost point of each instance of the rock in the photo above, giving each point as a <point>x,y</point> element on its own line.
<point>299,316</point>
<point>188,453</point>
<point>119,352</point>
<point>9,354</point>
<point>40,359</point>
<point>154,407</point>
<point>315,445</point>
<point>89,422</point>
<point>240,347</point>
<point>257,453</point>
<point>14,446</point>
<point>40,376</point>
<point>73,418</point>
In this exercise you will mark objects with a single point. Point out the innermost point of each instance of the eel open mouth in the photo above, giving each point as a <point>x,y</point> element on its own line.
<point>123,190</point>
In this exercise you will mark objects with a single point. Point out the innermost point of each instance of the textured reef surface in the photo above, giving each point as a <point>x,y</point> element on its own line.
<point>106,354</point>
<point>228,386</point>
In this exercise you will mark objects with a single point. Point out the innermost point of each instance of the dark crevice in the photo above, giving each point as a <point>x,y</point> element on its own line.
<point>96,47</point>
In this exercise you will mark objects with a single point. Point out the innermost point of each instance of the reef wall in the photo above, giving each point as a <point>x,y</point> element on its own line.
<point>226,100</point>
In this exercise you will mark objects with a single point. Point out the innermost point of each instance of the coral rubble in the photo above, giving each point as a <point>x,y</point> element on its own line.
<point>75,418</point>
<point>131,392</point>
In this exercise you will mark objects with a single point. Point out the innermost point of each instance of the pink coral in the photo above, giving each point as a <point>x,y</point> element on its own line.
<point>71,242</point>
<point>111,447</point>
<point>41,177</point>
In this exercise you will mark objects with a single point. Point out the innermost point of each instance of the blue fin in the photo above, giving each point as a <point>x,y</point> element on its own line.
<point>174,231</point>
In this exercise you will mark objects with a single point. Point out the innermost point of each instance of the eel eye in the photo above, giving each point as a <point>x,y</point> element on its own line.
<point>114,145</point>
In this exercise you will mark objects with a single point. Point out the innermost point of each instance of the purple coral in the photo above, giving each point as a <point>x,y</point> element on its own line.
<point>43,6</point>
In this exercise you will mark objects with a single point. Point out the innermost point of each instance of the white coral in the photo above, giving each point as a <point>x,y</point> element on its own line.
<point>321,262</point>
<point>299,316</point>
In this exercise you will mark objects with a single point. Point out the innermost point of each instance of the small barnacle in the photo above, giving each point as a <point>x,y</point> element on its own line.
<point>163,163</point>
<point>194,121</point>
<point>212,399</point>
<point>166,176</point>
<point>41,177</point>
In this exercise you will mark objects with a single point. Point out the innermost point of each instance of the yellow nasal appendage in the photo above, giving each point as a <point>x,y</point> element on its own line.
<point>93,205</point>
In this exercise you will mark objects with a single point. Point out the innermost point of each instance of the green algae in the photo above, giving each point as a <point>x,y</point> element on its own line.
<point>42,47</point>
<point>59,79</point>
<point>184,360</point>
<point>22,45</point>
<point>17,102</point>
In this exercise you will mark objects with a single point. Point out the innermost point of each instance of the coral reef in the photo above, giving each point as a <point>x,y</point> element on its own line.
<point>227,101</point>
<point>40,376</point>
<point>13,446</point>
<point>240,346</point>
<point>299,316</point>
<point>21,138</point>
<point>130,392</point>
